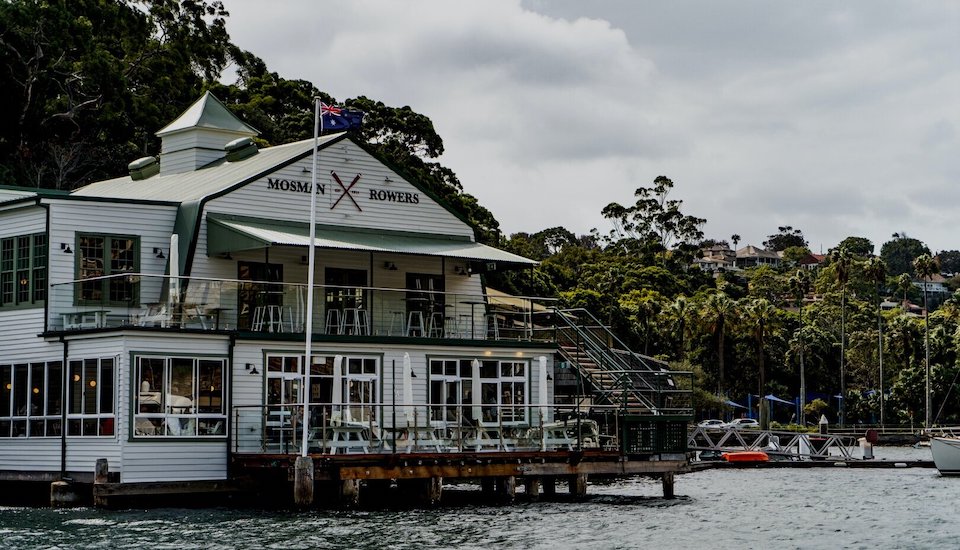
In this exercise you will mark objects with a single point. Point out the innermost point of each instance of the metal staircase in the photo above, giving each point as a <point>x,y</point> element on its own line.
<point>613,375</point>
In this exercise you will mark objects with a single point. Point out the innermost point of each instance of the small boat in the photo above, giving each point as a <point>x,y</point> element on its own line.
<point>746,456</point>
<point>946,454</point>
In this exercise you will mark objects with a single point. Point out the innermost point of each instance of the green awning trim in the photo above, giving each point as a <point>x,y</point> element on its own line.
<point>234,234</point>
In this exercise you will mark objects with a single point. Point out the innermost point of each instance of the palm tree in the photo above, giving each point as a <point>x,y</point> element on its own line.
<point>925,267</point>
<point>735,239</point>
<point>876,270</point>
<point>679,310</point>
<point>904,284</point>
<point>760,315</point>
<point>799,286</point>
<point>717,311</point>
<point>842,260</point>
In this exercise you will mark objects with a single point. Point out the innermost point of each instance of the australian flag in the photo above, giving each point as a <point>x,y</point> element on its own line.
<point>337,119</point>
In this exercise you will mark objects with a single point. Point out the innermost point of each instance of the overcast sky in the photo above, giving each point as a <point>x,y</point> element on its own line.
<point>837,118</point>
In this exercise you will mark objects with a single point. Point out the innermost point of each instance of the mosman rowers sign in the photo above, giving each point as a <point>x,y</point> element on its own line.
<point>343,193</point>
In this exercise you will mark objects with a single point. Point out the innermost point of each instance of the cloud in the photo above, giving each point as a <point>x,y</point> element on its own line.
<point>840,119</point>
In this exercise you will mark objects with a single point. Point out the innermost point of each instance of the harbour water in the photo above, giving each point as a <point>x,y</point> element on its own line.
<point>720,508</point>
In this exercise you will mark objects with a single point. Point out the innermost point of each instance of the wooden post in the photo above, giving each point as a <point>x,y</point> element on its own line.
<point>303,481</point>
<point>434,491</point>
<point>101,475</point>
<point>532,485</point>
<point>507,488</point>
<point>350,492</point>
<point>667,484</point>
<point>550,486</point>
<point>578,485</point>
<point>63,495</point>
<point>488,486</point>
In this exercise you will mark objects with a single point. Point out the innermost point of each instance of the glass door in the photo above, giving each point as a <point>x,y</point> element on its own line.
<point>283,394</point>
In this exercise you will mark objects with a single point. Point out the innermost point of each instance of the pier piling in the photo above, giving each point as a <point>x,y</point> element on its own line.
<point>303,481</point>
<point>350,492</point>
<point>532,487</point>
<point>667,484</point>
<point>578,485</point>
<point>101,476</point>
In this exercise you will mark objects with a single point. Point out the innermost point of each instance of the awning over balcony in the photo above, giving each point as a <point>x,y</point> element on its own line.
<point>232,234</point>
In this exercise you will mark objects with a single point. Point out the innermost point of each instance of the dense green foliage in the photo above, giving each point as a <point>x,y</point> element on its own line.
<point>88,83</point>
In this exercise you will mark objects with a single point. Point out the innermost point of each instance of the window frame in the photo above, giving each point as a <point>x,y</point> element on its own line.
<point>21,275</point>
<point>492,412</point>
<point>98,413</point>
<point>186,418</point>
<point>106,269</point>
<point>48,393</point>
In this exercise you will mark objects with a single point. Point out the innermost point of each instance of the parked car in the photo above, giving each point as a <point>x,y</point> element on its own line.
<point>741,423</point>
<point>712,423</point>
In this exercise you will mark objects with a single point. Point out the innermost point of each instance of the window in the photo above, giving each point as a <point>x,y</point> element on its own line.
<point>23,270</point>
<point>344,288</point>
<point>101,256</point>
<point>91,397</point>
<point>30,397</point>
<point>180,397</point>
<point>503,389</point>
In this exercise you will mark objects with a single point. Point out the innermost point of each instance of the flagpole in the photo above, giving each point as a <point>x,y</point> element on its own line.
<point>308,361</point>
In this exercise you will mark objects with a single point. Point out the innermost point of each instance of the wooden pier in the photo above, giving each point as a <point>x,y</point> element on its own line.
<point>341,479</point>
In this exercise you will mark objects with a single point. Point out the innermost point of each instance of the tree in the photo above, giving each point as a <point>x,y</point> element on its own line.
<point>876,270</point>
<point>760,315</point>
<point>925,267</point>
<point>900,252</point>
<point>799,287</point>
<point>717,311</point>
<point>655,221</point>
<point>785,237</point>
<point>949,261</point>
<point>842,261</point>
<point>735,239</point>
<point>858,246</point>
<point>793,254</point>
<point>88,83</point>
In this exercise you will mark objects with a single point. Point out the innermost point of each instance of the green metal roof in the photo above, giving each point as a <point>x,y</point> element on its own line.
<point>208,112</point>
<point>211,179</point>
<point>234,234</point>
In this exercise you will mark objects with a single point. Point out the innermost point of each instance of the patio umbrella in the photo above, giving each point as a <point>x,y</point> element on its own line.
<point>542,387</point>
<point>337,394</point>
<point>174,268</point>
<point>733,404</point>
<point>407,380</point>
<point>476,391</point>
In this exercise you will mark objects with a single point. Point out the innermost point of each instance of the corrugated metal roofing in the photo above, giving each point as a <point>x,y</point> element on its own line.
<point>208,112</point>
<point>206,181</point>
<point>227,235</point>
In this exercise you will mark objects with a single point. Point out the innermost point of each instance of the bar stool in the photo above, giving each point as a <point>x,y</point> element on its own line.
<point>465,325</point>
<point>436,325</point>
<point>354,321</point>
<point>333,323</point>
<point>259,313</point>
<point>415,323</point>
<point>396,323</point>
<point>492,325</point>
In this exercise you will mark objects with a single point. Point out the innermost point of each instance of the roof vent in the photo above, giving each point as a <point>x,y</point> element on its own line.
<point>240,149</point>
<point>143,168</point>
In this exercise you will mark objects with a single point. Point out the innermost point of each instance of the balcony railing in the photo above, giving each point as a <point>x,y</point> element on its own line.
<point>446,428</point>
<point>197,303</point>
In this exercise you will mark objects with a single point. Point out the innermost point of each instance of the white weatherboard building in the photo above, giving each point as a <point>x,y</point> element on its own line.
<point>157,320</point>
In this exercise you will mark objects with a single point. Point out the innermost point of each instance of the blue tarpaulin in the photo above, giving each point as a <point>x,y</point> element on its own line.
<point>771,397</point>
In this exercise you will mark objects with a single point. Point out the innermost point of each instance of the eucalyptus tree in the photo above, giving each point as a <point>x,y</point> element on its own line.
<point>799,286</point>
<point>842,261</point>
<point>876,270</point>
<point>718,310</point>
<point>925,267</point>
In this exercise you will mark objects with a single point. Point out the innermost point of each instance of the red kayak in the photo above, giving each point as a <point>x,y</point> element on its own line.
<point>746,456</point>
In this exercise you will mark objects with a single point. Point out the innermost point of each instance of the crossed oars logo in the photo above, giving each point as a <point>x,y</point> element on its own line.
<point>346,190</point>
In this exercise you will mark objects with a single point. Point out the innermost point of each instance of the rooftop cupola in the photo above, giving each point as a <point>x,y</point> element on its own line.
<point>198,136</point>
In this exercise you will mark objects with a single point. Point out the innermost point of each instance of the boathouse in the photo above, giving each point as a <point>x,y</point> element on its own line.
<point>154,326</point>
